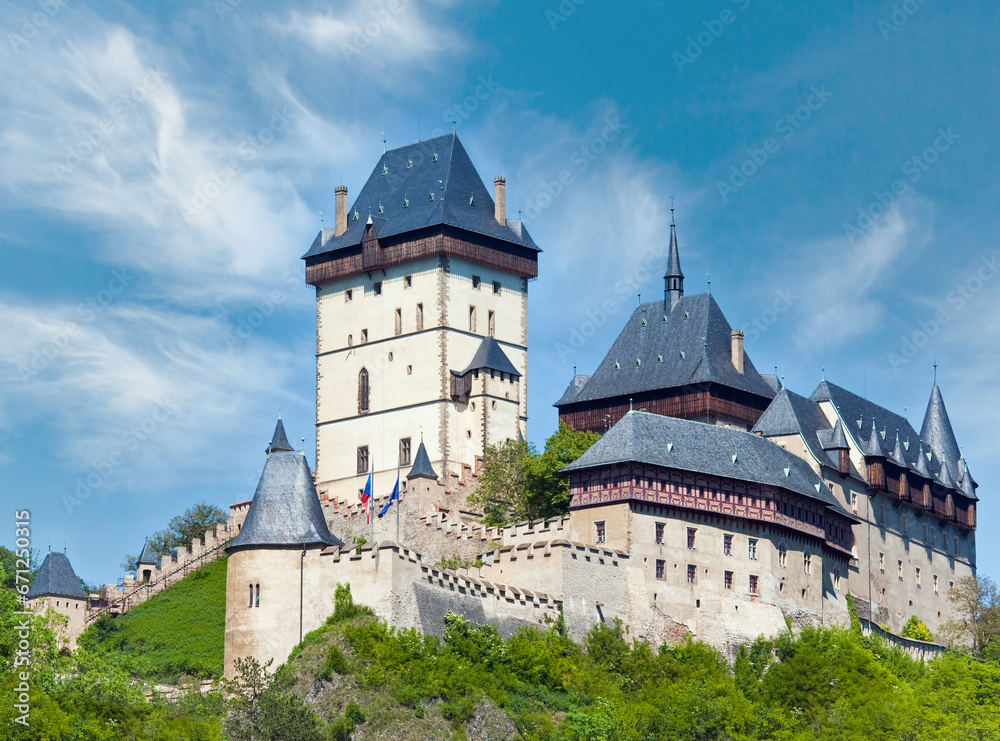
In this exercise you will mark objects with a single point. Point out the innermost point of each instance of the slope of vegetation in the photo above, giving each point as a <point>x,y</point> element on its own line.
<point>178,632</point>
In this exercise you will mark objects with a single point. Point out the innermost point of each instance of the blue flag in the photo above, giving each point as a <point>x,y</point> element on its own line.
<point>393,496</point>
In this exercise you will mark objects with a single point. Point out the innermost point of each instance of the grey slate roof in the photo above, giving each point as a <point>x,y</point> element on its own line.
<point>687,345</point>
<point>772,380</point>
<point>410,175</point>
<point>279,441</point>
<point>792,414</point>
<point>936,430</point>
<point>147,556</point>
<point>56,578</point>
<point>285,509</point>
<point>573,390</point>
<point>684,445</point>
<point>673,258</point>
<point>491,355</point>
<point>421,467</point>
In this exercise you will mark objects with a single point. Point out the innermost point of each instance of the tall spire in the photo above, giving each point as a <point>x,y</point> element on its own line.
<point>936,431</point>
<point>673,288</point>
<point>279,441</point>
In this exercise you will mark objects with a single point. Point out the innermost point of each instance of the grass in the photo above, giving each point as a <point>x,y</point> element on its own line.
<point>179,632</point>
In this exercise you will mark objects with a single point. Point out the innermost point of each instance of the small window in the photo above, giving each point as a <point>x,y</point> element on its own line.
<point>753,584</point>
<point>257,600</point>
<point>881,563</point>
<point>496,287</point>
<point>389,357</point>
<point>472,318</point>
<point>407,281</point>
<point>377,287</point>
<point>251,596</point>
<point>409,370</point>
<point>475,282</point>
<point>601,533</point>
<point>348,296</point>
<point>727,580</point>
<point>935,584</point>
<point>692,573</point>
<point>854,502</point>
<point>404,451</point>
<point>659,533</point>
<point>362,459</point>
<point>420,317</point>
<point>727,545</point>
<point>807,563</point>
<point>399,322</point>
<point>57,603</point>
<point>690,537</point>
<point>752,548</point>
<point>782,556</point>
<point>350,340</point>
<point>918,580</point>
<point>899,570</point>
<point>659,569</point>
<point>364,392</point>
<point>364,336</point>
<point>492,320</point>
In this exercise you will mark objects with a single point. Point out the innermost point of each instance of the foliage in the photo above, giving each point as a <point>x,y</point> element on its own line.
<point>916,629</point>
<point>184,528</point>
<point>974,624</point>
<point>262,708</point>
<point>455,561</point>
<point>177,632</point>
<point>518,483</point>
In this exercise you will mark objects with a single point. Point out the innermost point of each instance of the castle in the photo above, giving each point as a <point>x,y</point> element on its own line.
<point>716,504</point>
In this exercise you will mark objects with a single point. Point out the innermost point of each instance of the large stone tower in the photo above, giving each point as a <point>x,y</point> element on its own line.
<point>421,320</point>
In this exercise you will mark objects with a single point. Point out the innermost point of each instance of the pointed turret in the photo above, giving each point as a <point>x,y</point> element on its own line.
<point>873,448</point>
<point>838,440</point>
<point>898,455</point>
<point>921,467</point>
<point>146,556</point>
<point>56,578</point>
<point>966,483</point>
<point>673,281</point>
<point>944,476</point>
<point>936,430</point>
<point>421,468</point>
<point>279,441</point>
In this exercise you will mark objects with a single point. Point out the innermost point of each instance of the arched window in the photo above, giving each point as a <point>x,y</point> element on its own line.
<point>258,596</point>
<point>251,596</point>
<point>364,391</point>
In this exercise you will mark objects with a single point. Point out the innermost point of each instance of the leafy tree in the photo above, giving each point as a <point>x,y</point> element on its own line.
<point>262,707</point>
<point>547,489</point>
<point>915,628</point>
<point>130,563</point>
<point>975,616</point>
<point>501,490</point>
<point>182,529</point>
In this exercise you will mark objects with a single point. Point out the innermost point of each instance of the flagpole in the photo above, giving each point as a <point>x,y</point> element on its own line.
<point>371,502</point>
<point>398,493</point>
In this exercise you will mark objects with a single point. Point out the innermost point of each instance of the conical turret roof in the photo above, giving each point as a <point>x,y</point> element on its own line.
<point>873,448</point>
<point>937,431</point>
<point>279,441</point>
<point>421,467</point>
<point>674,257</point>
<point>147,555</point>
<point>56,578</point>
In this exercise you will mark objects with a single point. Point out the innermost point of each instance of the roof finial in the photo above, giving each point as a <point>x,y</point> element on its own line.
<point>782,382</point>
<point>574,366</point>
<point>630,407</point>
<point>279,412</point>
<point>935,366</point>
<point>383,142</point>
<point>824,372</point>
<point>709,283</point>
<point>454,124</point>
<point>320,219</point>
<point>638,296</point>
<point>672,211</point>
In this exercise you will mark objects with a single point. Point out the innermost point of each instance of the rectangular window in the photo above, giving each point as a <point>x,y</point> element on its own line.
<point>364,336</point>
<point>691,534</point>
<point>881,563</point>
<point>475,282</point>
<point>601,534</point>
<point>659,533</point>
<point>935,584</point>
<point>782,556</point>
<point>727,545</point>
<point>899,570</point>
<point>659,569</point>
<point>399,322</point>
<point>752,548</point>
<point>728,580</point>
<point>836,581</point>
<point>407,281</point>
<point>692,573</point>
<point>404,451</point>
<point>377,287</point>
<point>807,563</point>
<point>472,318</point>
<point>496,286</point>
<point>348,295</point>
<point>420,317</point>
<point>362,459</point>
<point>492,321</point>
<point>918,577</point>
<point>854,502</point>
<point>753,584</point>
<point>350,340</point>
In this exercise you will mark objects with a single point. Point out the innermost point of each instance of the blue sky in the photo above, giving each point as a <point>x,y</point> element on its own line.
<point>164,165</point>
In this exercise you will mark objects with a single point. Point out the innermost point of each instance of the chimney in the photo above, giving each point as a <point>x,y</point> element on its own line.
<point>340,220</point>
<point>498,198</point>
<point>738,350</point>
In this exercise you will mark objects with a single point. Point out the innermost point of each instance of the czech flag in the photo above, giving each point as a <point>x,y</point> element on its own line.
<point>366,498</point>
<point>392,497</point>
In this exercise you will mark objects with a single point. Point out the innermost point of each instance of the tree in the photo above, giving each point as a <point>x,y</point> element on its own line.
<point>547,489</point>
<point>975,618</point>
<point>263,709</point>
<point>915,628</point>
<point>182,529</point>
<point>501,489</point>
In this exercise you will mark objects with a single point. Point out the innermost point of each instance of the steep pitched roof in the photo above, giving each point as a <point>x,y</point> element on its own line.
<point>279,441</point>
<point>421,467</point>
<point>398,194</point>
<point>573,390</point>
<point>285,509</point>
<point>792,414</point>
<point>873,447</point>
<point>56,578</point>
<point>673,257</point>
<point>147,556</point>
<point>936,430</point>
<point>685,445</point>
<point>491,355</point>
<point>688,344</point>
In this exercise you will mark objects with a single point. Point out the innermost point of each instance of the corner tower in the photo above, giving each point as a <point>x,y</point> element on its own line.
<point>424,269</point>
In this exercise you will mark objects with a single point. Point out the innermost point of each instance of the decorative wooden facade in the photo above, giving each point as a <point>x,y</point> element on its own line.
<point>924,495</point>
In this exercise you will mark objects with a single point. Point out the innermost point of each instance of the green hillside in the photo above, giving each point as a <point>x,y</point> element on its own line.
<point>178,632</point>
